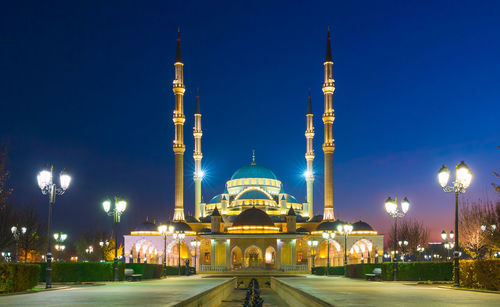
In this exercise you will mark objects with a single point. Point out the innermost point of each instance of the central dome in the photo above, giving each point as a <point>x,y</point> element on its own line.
<point>253,171</point>
<point>253,217</point>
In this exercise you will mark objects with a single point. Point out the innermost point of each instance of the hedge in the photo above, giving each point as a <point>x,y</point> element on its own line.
<point>174,270</point>
<point>409,271</point>
<point>82,271</point>
<point>148,270</point>
<point>334,270</point>
<point>16,277</point>
<point>482,273</point>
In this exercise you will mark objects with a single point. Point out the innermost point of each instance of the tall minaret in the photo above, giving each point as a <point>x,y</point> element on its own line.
<point>179,119</point>
<point>309,155</point>
<point>197,156</point>
<point>328,118</point>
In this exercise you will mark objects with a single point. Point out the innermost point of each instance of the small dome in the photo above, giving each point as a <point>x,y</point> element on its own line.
<point>147,226</point>
<point>253,171</point>
<point>215,199</point>
<point>253,217</point>
<point>301,229</point>
<point>181,226</point>
<point>191,219</point>
<point>254,194</point>
<point>329,225</point>
<point>292,199</point>
<point>361,226</point>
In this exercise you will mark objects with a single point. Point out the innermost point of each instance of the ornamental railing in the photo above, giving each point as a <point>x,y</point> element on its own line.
<point>293,267</point>
<point>213,268</point>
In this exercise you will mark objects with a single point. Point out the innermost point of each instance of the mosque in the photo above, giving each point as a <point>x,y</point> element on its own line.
<point>254,224</point>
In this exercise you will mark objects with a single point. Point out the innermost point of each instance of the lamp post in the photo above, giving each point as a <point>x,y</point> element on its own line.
<point>60,237</point>
<point>420,250</point>
<point>17,233</point>
<point>463,178</point>
<point>492,229</point>
<point>312,244</point>
<point>345,229</point>
<point>115,211</point>
<point>165,230</point>
<point>391,206</point>
<point>179,236</point>
<point>47,187</point>
<point>101,244</point>
<point>447,244</point>
<point>195,244</point>
<point>328,236</point>
<point>403,244</point>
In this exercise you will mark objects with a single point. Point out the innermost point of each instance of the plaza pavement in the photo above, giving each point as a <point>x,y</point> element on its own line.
<point>142,293</point>
<point>340,291</point>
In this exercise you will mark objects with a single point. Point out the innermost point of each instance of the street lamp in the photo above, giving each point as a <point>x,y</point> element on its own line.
<point>403,244</point>
<point>447,245</point>
<point>165,230</point>
<point>48,187</point>
<point>492,229</point>
<point>17,233</point>
<point>115,211</point>
<point>463,178</point>
<point>179,236</point>
<point>313,244</point>
<point>420,250</point>
<point>195,244</point>
<point>391,206</point>
<point>60,237</point>
<point>328,236</point>
<point>345,229</point>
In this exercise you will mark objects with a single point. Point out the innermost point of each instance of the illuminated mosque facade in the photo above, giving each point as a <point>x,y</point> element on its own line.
<point>254,224</point>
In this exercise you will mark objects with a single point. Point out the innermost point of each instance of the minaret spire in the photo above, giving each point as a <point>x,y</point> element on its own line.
<point>197,156</point>
<point>309,155</point>
<point>179,118</point>
<point>253,157</point>
<point>178,54</point>
<point>328,118</point>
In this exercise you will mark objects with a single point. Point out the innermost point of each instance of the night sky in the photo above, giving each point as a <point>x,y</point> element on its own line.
<point>88,86</point>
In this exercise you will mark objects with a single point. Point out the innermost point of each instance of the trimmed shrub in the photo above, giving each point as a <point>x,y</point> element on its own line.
<point>409,271</point>
<point>334,270</point>
<point>148,270</point>
<point>482,274</point>
<point>15,277</point>
<point>82,271</point>
<point>174,270</point>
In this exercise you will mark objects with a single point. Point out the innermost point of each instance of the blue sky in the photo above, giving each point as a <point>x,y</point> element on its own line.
<point>87,85</point>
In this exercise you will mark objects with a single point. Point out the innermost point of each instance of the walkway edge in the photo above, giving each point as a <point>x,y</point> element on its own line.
<point>294,296</point>
<point>210,297</point>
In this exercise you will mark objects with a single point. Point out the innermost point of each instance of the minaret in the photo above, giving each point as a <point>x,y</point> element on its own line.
<point>197,156</point>
<point>179,119</point>
<point>328,118</point>
<point>309,156</point>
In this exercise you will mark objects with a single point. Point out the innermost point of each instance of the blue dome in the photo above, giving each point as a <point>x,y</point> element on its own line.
<point>292,199</point>
<point>254,194</point>
<point>215,200</point>
<point>253,171</point>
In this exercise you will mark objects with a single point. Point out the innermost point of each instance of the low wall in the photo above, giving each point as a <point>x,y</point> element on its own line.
<point>210,297</point>
<point>295,297</point>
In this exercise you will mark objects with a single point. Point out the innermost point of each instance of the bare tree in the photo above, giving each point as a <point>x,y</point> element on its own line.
<point>473,239</point>
<point>31,242</point>
<point>7,214</point>
<point>412,231</point>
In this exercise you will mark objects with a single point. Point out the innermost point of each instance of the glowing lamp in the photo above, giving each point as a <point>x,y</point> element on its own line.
<point>13,229</point>
<point>44,178</point>
<point>390,205</point>
<point>121,205</point>
<point>443,235</point>
<point>443,176</point>
<point>106,205</point>
<point>464,175</point>
<point>405,205</point>
<point>64,179</point>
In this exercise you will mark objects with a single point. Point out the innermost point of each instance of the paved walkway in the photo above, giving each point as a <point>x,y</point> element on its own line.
<point>142,293</point>
<point>341,291</point>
